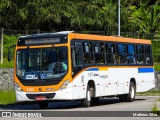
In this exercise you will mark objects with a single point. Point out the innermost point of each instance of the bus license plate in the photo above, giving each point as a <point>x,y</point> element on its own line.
<point>40,98</point>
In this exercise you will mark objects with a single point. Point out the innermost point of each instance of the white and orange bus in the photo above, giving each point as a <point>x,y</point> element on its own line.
<point>72,66</point>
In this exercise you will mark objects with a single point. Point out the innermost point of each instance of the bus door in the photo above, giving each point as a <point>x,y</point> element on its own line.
<point>77,63</point>
<point>77,66</point>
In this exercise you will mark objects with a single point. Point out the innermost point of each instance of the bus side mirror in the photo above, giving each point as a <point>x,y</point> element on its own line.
<point>9,55</point>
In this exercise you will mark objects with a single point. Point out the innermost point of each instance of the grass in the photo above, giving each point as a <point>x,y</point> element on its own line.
<point>7,97</point>
<point>155,109</point>
<point>7,64</point>
<point>149,93</point>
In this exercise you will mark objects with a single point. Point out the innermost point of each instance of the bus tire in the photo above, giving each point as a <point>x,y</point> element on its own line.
<point>87,100</point>
<point>130,97</point>
<point>43,104</point>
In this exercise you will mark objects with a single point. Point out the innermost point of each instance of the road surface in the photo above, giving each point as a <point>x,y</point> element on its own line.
<point>101,111</point>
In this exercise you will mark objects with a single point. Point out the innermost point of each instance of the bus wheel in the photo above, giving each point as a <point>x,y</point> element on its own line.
<point>43,104</point>
<point>87,100</point>
<point>132,91</point>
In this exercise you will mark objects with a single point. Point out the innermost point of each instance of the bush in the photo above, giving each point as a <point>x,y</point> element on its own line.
<point>7,64</point>
<point>9,41</point>
<point>155,109</point>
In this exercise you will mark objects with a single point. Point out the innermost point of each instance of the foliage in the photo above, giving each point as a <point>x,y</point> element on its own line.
<point>156,51</point>
<point>81,15</point>
<point>150,93</point>
<point>7,97</point>
<point>147,19</point>
<point>7,64</point>
<point>155,109</point>
<point>157,66</point>
<point>8,42</point>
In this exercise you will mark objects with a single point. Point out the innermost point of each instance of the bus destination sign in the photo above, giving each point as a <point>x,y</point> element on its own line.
<point>42,41</point>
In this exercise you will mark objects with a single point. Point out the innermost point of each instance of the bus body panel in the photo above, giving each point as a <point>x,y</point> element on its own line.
<point>115,81</point>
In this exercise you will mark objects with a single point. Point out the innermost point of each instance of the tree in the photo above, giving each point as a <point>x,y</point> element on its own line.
<point>147,19</point>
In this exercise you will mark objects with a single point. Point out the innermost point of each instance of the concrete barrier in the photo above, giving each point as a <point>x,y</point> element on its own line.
<point>6,79</point>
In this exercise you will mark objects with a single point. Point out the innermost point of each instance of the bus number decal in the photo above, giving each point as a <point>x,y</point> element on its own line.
<point>30,89</point>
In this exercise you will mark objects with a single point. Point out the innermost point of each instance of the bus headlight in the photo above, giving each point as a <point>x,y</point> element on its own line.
<point>64,85</point>
<point>18,88</point>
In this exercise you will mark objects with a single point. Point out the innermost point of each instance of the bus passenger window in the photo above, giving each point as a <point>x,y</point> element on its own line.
<point>131,54</point>
<point>88,58</point>
<point>110,53</point>
<point>148,54</point>
<point>121,53</point>
<point>99,53</point>
<point>140,54</point>
<point>88,54</point>
<point>87,46</point>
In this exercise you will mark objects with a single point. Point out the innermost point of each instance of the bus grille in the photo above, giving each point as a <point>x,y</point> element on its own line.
<point>47,95</point>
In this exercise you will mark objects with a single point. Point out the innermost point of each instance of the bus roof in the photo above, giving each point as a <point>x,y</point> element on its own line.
<point>62,33</point>
<point>71,35</point>
<point>107,38</point>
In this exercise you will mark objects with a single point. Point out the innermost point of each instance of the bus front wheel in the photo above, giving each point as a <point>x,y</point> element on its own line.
<point>87,101</point>
<point>43,104</point>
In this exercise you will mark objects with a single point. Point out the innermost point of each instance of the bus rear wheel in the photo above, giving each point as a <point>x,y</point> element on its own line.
<point>132,92</point>
<point>43,104</point>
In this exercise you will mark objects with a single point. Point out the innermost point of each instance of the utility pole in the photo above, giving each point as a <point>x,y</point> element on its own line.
<point>1,45</point>
<point>118,17</point>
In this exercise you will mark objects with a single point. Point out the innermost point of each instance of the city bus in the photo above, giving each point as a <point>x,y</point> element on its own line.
<point>68,66</point>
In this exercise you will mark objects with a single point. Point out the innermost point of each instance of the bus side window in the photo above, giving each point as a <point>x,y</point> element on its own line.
<point>99,53</point>
<point>140,54</point>
<point>121,53</point>
<point>88,54</point>
<point>131,54</point>
<point>148,54</point>
<point>110,53</point>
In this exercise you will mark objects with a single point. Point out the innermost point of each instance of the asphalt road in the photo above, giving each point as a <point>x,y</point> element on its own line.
<point>106,107</point>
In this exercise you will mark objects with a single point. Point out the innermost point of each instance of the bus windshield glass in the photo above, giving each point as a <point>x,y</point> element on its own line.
<point>42,63</point>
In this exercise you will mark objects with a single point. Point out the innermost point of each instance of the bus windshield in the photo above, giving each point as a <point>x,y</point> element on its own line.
<point>41,63</point>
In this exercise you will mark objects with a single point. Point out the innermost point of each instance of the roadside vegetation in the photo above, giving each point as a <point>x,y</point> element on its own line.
<point>150,93</point>
<point>157,66</point>
<point>7,97</point>
<point>7,64</point>
<point>155,108</point>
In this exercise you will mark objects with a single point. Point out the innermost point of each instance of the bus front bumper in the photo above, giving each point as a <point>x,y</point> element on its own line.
<point>36,96</point>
